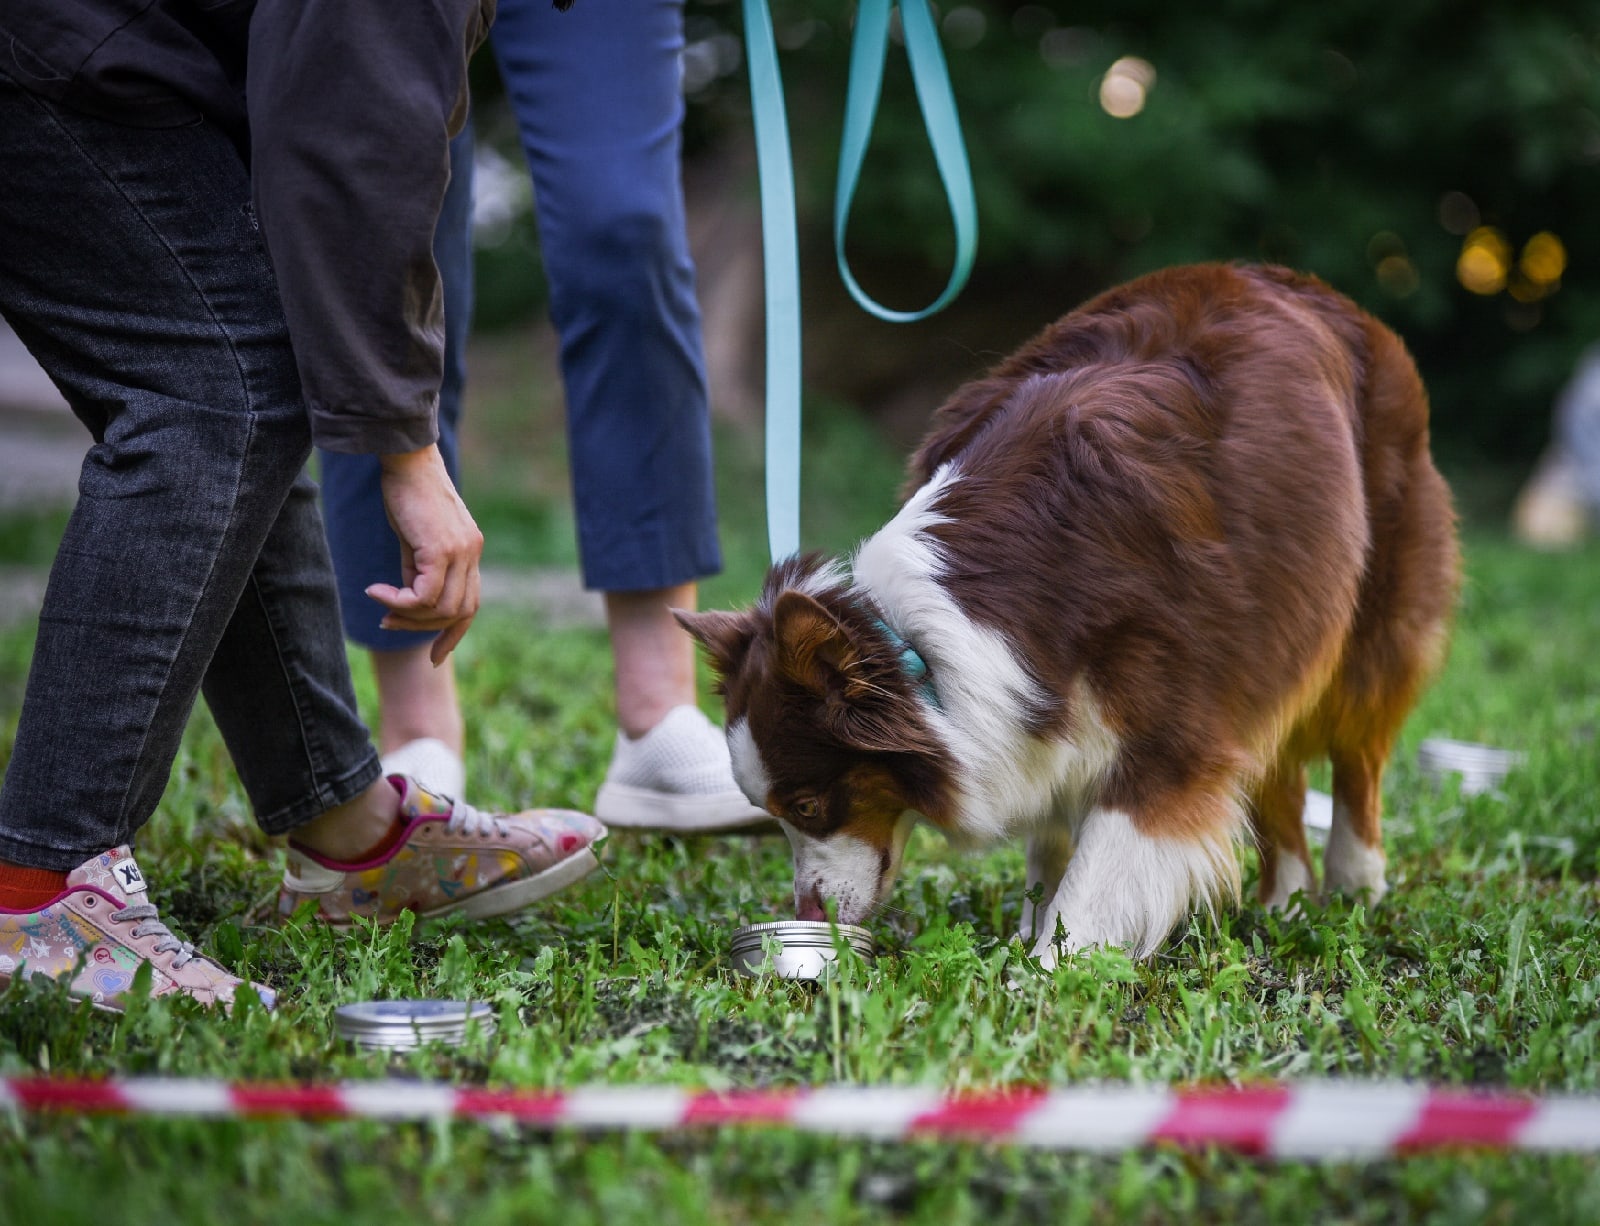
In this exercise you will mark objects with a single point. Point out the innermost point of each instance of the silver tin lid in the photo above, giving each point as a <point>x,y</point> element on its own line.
<point>1481,767</point>
<point>805,932</point>
<point>400,1025</point>
<point>806,947</point>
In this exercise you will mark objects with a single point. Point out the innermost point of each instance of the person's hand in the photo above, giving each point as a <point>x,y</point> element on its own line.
<point>440,547</point>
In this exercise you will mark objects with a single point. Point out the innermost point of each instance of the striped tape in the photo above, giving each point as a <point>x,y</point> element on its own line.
<point>1304,1120</point>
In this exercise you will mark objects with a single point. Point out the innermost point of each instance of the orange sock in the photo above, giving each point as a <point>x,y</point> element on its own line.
<point>28,889</point>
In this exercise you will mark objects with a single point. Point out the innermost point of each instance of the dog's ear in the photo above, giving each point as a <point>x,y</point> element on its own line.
<point>815,650</point>
<point>818,652</point>
<point>725,636</point>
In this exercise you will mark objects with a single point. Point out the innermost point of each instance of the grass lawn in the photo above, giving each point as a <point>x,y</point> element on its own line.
<point>1479,969</point>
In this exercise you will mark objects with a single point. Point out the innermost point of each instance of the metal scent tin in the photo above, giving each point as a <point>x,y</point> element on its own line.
<point>402,1025</point>
<point>806,947</point>
<point>1481,767</point>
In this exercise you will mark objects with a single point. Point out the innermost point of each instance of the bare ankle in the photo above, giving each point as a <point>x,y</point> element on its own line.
<point>352,830</point>
<point>654,657</point>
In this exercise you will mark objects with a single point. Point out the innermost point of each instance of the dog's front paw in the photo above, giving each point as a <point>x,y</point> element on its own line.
<point>1353,867</point>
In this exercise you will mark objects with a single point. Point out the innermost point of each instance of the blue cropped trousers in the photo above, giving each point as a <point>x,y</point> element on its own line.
<point>596,92</point>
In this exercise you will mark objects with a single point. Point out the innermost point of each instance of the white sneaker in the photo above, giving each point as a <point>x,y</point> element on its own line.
<point>431,763</point>
<point>1550,512</point>
<point>678,777</point>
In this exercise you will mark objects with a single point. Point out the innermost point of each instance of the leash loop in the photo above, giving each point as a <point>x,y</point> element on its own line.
<point>779,238</point>
<point>931,77</point>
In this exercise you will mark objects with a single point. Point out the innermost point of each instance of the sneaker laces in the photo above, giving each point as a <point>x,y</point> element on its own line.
<point>466,819</point>
<point>143,917</point>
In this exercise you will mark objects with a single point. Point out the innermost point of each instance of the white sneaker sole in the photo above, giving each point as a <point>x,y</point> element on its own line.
<point>514,895</point>
<point>631,808</point>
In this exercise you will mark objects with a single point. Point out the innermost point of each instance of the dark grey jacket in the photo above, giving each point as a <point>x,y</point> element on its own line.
<point>344,109</point>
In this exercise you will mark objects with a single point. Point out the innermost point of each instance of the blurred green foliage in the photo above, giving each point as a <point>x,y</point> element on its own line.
<point>1363,141</point>
<point>1323,136</point>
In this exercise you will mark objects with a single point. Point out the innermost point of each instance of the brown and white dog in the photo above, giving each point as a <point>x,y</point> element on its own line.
<point>1185,541</point>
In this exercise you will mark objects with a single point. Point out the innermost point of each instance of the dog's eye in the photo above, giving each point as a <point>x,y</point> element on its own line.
<point>806,809</point>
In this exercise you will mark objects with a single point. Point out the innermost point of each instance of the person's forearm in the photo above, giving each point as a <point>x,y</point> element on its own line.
<point>352,104</point>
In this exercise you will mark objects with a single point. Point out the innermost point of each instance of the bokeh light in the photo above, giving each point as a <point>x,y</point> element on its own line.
<point>1458,213</point>
<point>1383,244</point>
<point>1392,265</point>
<point>1485,261</point>
<point>964,27</point>
<point>1398,275</point>
<point>1125,87</point>
<point>1544,259</point>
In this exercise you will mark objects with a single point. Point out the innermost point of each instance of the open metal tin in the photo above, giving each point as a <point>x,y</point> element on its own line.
<point>806,948</point>
<point>1481,767</point>
<point>403,1025</point>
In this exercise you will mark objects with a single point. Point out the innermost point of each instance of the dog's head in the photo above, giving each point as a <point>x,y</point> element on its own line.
<point>828,732</point>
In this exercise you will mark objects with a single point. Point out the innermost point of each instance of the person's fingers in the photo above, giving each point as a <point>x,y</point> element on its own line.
<point>440,550</point>
<point>451,599</point>
<point>400,621</point>
<point>391,597</point>
<point>404,613</point>
<point>448,604</point>
<point>447,641</point>
<point>405,600</point>
<point>428,584</point>
<point>408,560</point>
<point>408,611</point>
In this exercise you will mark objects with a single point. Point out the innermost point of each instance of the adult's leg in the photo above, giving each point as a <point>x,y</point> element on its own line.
<point>130,265</point>
<point>654,672</point>
<point>279,689</point>
<point>604,149</point>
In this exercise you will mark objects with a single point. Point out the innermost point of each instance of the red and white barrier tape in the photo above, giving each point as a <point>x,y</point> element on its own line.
<point>1303,1120</point>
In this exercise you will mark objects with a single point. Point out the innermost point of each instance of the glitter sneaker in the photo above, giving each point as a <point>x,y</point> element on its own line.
<point>677,777</point>
<point>449,859</point>
<point>99,930</point>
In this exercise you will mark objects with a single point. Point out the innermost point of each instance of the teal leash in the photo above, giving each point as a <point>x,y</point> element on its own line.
<point>779,238</point>
<point>781,269</point>
<point>931,77</point>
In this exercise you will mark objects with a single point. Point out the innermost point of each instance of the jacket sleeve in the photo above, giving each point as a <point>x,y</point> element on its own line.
<point>352,104</point>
